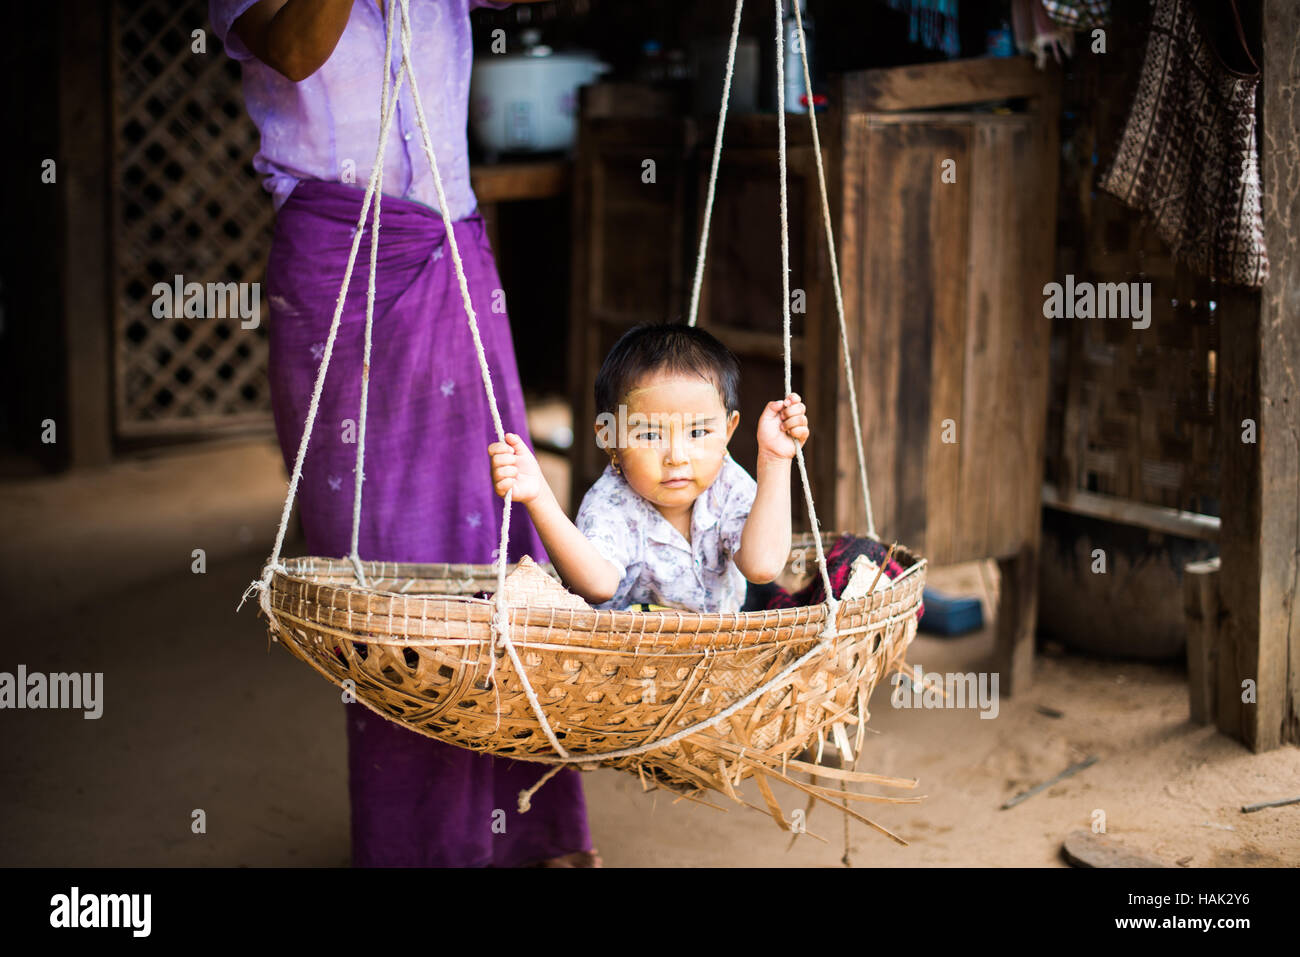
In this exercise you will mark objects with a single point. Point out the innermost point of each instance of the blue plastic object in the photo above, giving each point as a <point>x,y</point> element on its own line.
<point>950,616</point>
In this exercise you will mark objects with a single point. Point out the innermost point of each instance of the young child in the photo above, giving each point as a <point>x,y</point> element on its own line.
<point>674,520</point>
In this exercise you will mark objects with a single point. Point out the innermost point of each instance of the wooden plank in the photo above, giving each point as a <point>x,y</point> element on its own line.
<point>84,118</point>
<point>1015,515</point>
<point>879,341</point>
<point>941,84</point>
<point>1032,361</point>
<point>1112,509</point>
<point>762,344</point>
<point>1017,615</point>
<point>501,182</point>
<point>911,367</point>
<point>985,412</point>
<point>1240,532</point>
<point>608,99</point>
<point>1201,606</point>
<point>850,205</point>
<point>950,212</point>
<point>829,465</point>
<point>1277,718</point>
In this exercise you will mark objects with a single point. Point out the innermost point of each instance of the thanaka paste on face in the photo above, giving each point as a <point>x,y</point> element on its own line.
<point>673,503</point>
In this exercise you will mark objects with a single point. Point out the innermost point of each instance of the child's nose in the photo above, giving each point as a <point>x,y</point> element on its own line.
<point>676,446</point>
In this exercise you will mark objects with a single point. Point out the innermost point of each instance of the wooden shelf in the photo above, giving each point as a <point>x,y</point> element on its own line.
<point>535,179</point>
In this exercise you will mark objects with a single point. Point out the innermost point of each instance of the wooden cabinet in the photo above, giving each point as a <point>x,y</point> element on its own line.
<point>942,277</point>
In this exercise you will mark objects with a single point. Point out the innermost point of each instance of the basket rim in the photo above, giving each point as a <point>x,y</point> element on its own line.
<point>673,626</point>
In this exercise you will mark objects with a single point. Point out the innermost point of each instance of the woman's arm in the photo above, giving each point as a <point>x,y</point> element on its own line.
<point>294,37</point>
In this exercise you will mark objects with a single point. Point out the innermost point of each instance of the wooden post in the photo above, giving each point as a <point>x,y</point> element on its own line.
<point>1201,604</point>
<point>84,191</point>
<point>1259,650</point>
<point>1017,618</point>
<point>1278,718</point>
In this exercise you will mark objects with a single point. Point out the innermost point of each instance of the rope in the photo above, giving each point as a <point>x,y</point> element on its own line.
<point>831,600</point>
<point>835,275</point>
<point>385,106</point>
<point>273,564</point>
<point>713,173</point>
<point>708,722</point>
<point>501,618</point>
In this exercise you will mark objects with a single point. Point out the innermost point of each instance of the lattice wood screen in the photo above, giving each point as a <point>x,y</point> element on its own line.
<point>1132,410</point>
<point>187,203</point>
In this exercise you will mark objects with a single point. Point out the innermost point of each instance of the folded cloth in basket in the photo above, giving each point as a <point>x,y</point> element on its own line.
<point>840,561</point>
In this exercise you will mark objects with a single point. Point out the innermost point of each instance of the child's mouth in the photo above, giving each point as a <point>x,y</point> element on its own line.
<point>676,482</point>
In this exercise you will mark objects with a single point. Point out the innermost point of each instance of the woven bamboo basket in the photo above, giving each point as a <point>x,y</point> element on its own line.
<point>415,647</point>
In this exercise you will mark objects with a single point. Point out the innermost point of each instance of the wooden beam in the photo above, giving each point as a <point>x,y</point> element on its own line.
<point>1017,618</point>
<point>1201,605</point>
<point>84,192</point>
<point>941,84</point>
<point>1154,517</point>
<point>1259,647</point>
<point>1278,662</point>
<point>503,182</point>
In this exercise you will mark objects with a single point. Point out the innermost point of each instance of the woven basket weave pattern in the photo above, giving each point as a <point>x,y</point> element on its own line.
<point>418,652</point>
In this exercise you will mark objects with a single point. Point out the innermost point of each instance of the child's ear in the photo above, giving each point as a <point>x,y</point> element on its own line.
<point>732,421</point>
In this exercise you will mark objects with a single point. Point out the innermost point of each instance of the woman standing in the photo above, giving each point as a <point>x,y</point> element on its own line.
<point>311,77</point>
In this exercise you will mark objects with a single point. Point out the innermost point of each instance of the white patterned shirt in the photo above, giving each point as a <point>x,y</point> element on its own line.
<point>656,564</point>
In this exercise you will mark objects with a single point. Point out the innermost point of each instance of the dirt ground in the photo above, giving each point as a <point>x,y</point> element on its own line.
<point>199,713</point>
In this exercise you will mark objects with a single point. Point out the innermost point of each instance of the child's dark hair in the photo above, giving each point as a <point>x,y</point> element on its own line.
<point>672,347</point>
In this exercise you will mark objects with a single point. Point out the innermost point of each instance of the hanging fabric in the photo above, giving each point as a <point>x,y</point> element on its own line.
<point>1078,14</point>
<point>1187,155</point>
<point>1037,34</point>
<point>933,24</point>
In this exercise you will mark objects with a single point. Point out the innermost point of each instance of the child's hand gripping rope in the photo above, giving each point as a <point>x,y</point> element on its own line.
<point>515,467</point>
<point>783,427</point>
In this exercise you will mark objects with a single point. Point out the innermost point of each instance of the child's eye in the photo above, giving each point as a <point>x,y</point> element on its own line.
<point>699,433</point>
<point>648,436</point>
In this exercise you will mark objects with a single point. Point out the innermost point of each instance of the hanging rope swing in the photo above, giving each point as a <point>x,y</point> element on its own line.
<point>690,702</point>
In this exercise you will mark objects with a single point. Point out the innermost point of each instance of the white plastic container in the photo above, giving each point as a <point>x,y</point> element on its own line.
<point>527,102</point>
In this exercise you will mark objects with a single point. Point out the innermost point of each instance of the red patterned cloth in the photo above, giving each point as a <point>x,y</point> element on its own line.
<point>839,563</point>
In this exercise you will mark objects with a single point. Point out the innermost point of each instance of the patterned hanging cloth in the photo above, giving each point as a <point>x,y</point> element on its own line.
<point>1078,14</point>
<point>1036,33</point>
<point>1187,154</point>
<point>933,24</point>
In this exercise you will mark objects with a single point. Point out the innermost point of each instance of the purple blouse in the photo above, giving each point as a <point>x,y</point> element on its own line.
<point>327,126</point>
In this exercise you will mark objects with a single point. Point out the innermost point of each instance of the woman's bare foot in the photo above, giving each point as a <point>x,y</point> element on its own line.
<point>577,859</point>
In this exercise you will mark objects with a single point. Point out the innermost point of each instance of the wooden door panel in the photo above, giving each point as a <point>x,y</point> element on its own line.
<point>910,331</point>
<point>950,333</point>
<point>1004,388</point>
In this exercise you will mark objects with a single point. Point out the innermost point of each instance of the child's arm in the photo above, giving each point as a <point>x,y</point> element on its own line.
<point>765,541</point>
<point>580,565</point>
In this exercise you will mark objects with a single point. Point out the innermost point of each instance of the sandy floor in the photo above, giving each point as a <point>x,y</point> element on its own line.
<point>200,714</point>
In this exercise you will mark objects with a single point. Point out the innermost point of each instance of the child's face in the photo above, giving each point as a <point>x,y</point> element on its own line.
<point>677,432</point>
